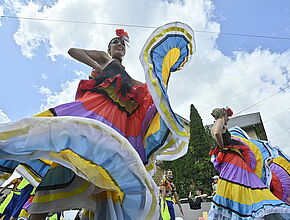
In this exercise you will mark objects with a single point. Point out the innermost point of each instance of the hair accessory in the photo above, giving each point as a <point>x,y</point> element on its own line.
<point>229,111</point>
<point>122,34</point>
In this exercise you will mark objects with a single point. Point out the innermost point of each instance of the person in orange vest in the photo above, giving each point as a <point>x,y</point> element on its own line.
<point>168,194</point>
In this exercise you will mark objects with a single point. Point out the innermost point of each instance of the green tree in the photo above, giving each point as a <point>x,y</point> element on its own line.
<point>194,170</point>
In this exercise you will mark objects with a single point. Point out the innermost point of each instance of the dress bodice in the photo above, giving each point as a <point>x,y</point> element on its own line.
<point>227,139</point>
<point>113,70</point>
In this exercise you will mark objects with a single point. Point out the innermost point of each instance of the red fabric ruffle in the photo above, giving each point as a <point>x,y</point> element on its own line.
<point>137,92</point>
<point>245,151</point>
<point>214,151</point>
<point>104,107</point>
<point>276,186</point>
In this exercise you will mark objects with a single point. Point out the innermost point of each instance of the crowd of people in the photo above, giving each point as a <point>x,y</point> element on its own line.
<point>97,152</point>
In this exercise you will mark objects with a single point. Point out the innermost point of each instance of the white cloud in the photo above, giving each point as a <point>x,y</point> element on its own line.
<point>1,13</point>
<point>60,36</point>
<point>210,78</point>
<point>45,91</point>
<point>52,99</point>
<point>80,74</point>
<point>44,76</point>
<point>3,117</point>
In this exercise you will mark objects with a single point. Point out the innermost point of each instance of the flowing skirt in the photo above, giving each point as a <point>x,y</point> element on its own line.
<point>241,193</point>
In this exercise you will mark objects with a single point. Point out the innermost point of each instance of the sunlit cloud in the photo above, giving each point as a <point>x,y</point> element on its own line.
<point>3,117</point>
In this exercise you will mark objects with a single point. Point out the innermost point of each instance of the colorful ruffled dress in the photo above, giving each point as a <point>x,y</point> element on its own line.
<point>105,143</point>
<point>243,190</point>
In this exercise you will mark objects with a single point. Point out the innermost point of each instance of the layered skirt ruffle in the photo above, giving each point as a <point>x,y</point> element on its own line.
<point>109,172</point>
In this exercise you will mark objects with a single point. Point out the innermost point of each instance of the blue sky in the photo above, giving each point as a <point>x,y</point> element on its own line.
<point>22,76</point>
<point>257,17</point>
<point>36,72</point>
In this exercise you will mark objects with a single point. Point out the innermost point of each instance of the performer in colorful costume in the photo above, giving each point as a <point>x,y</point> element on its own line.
<point>12,197</point>
<point>243,190</point>
<point>101,141</point>
<point>168,195</point>
<point>16,199</point>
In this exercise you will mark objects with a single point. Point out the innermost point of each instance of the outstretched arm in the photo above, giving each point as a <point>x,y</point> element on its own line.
<point>93,58</point>
<point>202,196</point>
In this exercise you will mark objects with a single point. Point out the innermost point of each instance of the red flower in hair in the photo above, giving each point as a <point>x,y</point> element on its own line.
<point>229,112</point>
<point>122,34</point>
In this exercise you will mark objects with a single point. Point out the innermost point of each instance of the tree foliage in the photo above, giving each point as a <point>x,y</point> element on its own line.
<point>194,170</point>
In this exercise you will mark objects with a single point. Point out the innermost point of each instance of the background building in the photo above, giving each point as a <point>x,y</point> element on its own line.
<point>251,123</point>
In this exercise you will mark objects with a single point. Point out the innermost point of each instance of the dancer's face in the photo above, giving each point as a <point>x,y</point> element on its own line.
<point>117,48</point>
<point>226,118</point>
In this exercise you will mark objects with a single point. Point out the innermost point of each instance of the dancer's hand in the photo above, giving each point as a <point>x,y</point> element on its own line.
<point>98,68</point>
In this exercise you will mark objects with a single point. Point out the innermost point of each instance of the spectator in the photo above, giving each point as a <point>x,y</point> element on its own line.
<point>214,184</point>
<point>198,199</point>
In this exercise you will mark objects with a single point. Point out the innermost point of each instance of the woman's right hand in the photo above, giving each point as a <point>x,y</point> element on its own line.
<point>98,68</point>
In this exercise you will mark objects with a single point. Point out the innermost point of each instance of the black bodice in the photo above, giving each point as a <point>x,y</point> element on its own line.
<point>228,140</point>
<point>115,69</point>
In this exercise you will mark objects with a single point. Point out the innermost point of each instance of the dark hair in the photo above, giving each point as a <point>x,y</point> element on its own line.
<point>109,45</point>
<point>199,189</point>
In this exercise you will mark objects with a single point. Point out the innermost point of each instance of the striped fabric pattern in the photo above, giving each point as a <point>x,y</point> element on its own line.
<point>243,190</point>
<point>167,50</point>
<point>95,152</point>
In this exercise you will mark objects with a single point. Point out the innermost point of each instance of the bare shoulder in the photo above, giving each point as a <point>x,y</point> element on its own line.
<point>219,122</point>
<point>218,126</point>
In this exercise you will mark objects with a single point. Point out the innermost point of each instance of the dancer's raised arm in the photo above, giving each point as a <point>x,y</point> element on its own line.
<point>93,58</point>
